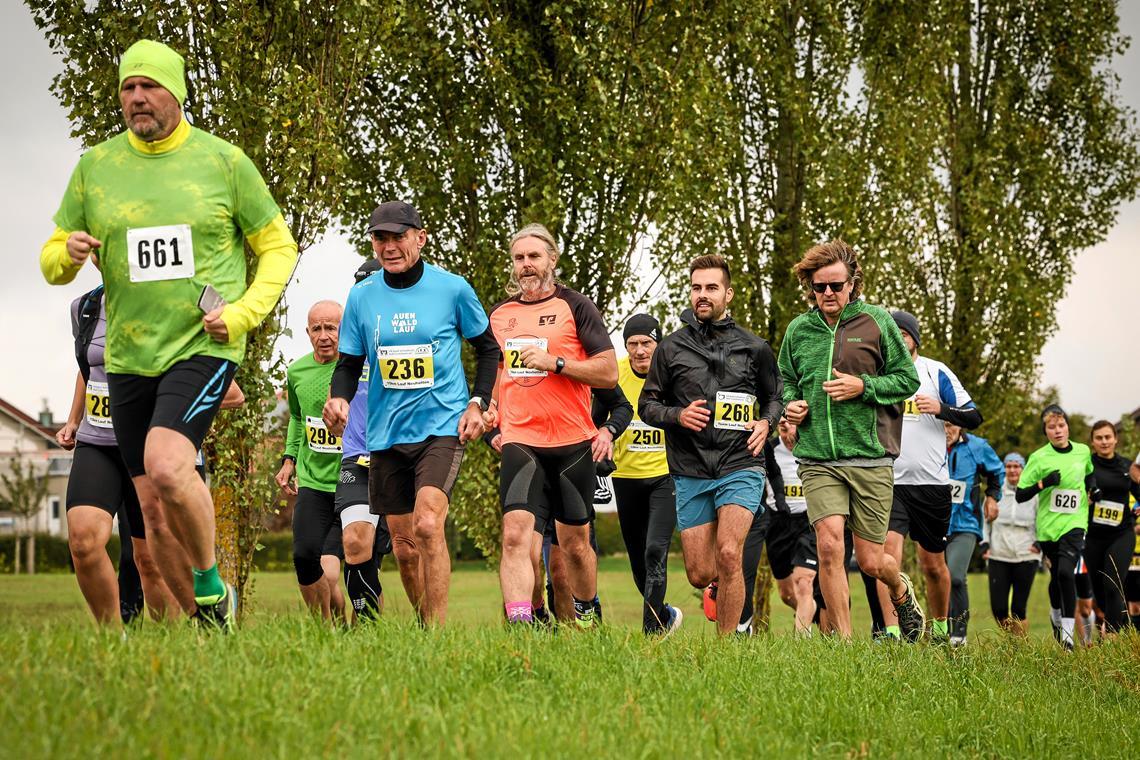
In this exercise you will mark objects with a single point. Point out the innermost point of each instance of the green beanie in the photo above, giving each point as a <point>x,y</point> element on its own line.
<point>147,58</point>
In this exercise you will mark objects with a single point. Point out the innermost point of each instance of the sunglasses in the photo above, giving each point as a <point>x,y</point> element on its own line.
<point>821,287</point>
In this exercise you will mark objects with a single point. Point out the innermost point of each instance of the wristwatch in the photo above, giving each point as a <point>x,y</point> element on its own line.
<point>478,400</point>
<point>559,365</point>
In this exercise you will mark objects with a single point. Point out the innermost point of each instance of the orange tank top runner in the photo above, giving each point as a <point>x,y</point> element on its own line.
<point>537,408</point>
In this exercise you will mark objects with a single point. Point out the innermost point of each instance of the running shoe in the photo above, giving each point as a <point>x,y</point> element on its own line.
<point>542,618</point>
<point>675,618</point>
<point>220,614</point>
<point>708,601</point>
<point>912,620</point>
<point>586,614</point>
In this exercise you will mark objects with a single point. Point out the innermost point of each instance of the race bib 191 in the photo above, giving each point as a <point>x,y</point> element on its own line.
<point>406,367</point>
<point>1108,513</point>
<point>98,405</point>
<point>733,410</point>
<point>512,357</point>
<point>794,494</point>
<point>1064,501</point>
<point>318,437</point>
<point>160,253</point>
<point>957,491</point>
<point>910,409</point>
<point>645,438</point>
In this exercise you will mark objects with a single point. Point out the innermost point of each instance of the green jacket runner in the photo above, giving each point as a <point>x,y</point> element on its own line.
<point>316,450</point>
<point>865,342</point>
<point>1062,507</point>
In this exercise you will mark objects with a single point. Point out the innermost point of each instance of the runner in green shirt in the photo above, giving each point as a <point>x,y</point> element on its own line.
<point>163,210</point>
<point>312,455</point>
<point>1060,476</point>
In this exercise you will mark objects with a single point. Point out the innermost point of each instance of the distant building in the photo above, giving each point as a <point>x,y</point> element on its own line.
<point>23,436</point>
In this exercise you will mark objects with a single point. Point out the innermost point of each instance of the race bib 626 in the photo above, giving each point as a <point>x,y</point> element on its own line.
<point>1065,501</point>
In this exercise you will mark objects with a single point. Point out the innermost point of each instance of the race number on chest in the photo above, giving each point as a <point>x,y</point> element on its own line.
<point>733,410</point>
<point>512,356</point>
<point>160,253</point>
<point>405,367</point>
<point>98,405</point>
<point>319,438</point>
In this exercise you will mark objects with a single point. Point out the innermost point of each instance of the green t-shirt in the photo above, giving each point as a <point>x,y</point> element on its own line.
<point>1066,506</point>
<point>317,451</point>
<point>170,223</point>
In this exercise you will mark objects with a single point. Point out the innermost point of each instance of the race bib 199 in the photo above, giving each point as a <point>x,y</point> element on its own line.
<point>733,410</point>
<point>160,253</point>
<point>1064,501</point>
<point>1108,513</point>
<point>406,367</point>
<point>512,357</point>
<point>957,491</point>
<point>643,437</point>
<point>318,437</point>
<point>98,405</point>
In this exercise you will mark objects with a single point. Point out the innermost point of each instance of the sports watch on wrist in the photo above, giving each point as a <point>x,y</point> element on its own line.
<point>559,365</point>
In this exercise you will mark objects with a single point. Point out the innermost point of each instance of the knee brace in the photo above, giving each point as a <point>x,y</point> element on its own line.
<point>308,569</point>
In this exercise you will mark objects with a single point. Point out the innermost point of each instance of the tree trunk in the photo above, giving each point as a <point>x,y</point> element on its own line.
<point>16,552</point>
<point>31,553</point>
<point>762,595</point>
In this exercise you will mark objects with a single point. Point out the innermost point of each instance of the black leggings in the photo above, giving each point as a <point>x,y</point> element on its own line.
<point>753,549</point>
<point>1107,558</point>
<point>1005,576</point>
<point>316,532</point>
<point>647,513</point>
<point>1063,555</point>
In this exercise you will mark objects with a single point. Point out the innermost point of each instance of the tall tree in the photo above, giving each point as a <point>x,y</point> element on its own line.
<point>275,78</point>
<point>997,147</point>
<point>25,491</point>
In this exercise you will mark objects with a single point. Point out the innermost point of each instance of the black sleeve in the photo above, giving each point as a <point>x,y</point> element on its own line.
<point>993,490</point>
<point>487,358</point>
<point>1025,494</point>
<point>775,477</point>
<point>651,406</point>
<point>592,332</point>
<point>966,417</point>
<point>346,376</point>
<point>612,408</point>
<point>490,436</point>
<point>769,386</point>
<point>1091,487</point>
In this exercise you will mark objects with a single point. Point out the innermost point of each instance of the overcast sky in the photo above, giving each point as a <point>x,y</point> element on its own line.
<point>1094,358</point>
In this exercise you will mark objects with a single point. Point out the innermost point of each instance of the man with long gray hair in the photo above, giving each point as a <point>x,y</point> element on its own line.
<point>555,347</point>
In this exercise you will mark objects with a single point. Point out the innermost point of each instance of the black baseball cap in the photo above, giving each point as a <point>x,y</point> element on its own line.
<point>366,268</point>
<point>394,216</point>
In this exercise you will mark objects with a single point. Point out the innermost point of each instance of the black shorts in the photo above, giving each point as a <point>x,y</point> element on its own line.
<point>315,524</point>
<point>923,513</point>
<point>352,491</point>
<point>791,543</point>
<point>100,479</point>
<point>397,474</point>
<point>185,398</point>
<point>549,483</point>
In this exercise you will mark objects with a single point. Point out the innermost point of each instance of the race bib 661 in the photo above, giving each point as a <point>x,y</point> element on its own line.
<point>160,253</point>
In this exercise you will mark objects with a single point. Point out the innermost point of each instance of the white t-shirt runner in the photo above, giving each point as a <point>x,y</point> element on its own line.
<point>789,470</point>
<point>922,458</point>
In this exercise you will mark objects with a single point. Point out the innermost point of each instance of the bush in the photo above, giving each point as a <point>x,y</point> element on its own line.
<point>52,554</point>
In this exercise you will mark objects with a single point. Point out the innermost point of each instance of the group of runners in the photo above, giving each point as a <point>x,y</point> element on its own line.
<point>846,443</point>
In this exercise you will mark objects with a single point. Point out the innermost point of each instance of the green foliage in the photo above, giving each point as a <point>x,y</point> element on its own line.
<point>997,148</point>
<point>25,487</point>
<point>274,78</point>
<point>52,553</point>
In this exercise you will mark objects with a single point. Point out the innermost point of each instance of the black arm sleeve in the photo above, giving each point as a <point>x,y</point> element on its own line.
<point>993,489</point>
<point>486,364</point>
<point>490,436</point>
<point>775,477</point>
<point>652,406</point>
<point>967,417</point>
<point>769,388</point>
<point>612,407</point>
<point>346,376</point>
<point>1025,494</point>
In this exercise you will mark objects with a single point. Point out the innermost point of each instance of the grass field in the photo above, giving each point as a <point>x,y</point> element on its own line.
<point>286,686</point>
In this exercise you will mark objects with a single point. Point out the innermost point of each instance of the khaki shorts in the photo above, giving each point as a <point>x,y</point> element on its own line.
<point>861,494</point>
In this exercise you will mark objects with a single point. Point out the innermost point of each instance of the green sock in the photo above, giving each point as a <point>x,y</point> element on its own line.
<point>894,632</point>
<point>939,628</point>
<point>208,586</point>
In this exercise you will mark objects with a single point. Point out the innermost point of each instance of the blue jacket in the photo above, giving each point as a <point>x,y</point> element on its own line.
<point>972,460</point>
